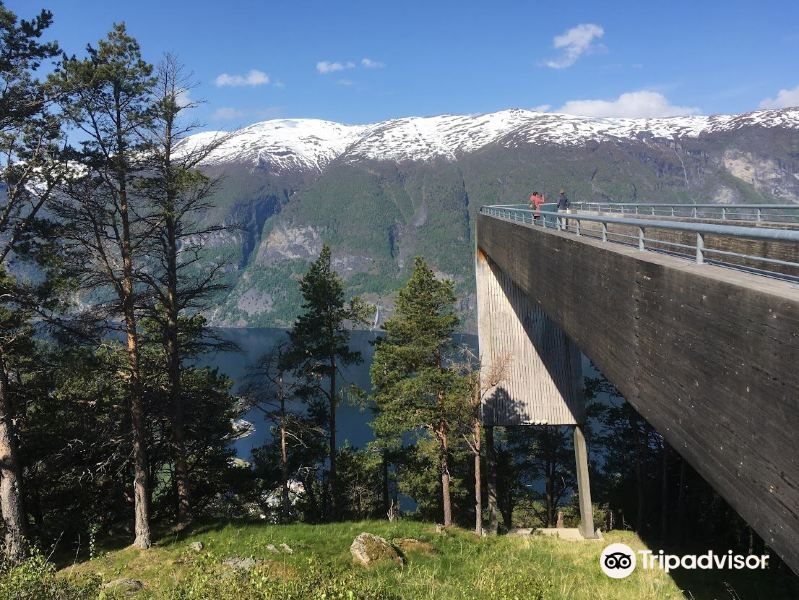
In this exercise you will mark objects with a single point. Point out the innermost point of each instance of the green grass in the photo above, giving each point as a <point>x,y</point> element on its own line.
<point>461,567</point>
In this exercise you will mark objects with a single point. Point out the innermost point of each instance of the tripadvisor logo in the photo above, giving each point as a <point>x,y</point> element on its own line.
<point>619,560</point>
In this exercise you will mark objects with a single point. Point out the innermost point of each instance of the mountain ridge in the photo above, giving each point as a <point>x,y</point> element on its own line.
<point>291,144</point>
<point>383,193</point>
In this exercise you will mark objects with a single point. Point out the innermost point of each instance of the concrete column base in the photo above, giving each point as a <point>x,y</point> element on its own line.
<point>583,485</point>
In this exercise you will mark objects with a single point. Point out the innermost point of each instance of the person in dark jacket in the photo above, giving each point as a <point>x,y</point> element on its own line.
<point>563,201</point>
<point>563,207</point>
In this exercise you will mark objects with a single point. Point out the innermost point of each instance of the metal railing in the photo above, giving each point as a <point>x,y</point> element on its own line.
<point>572,222</point>
<point>734,212</point>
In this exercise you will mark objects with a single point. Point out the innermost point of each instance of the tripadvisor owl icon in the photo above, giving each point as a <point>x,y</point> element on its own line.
<point>617,561</point>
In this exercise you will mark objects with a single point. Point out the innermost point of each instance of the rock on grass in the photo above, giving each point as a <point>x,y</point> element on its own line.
<point>368,548</point>
<point>124,586</point>
<point>240,564</point>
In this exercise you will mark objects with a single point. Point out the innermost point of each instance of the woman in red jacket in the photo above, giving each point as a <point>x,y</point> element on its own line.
<point>536,200</point>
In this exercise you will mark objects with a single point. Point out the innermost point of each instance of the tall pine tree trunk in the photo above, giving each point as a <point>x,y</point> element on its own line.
<point>174,360</point>
<point>550,493</point>
<point>491,481</point>
<point>172,332</point>
<point>478,478</point>
<point>141,483</point>
<point>332,477</point>
<point>11,499</point>
<point>284,459</point>
<point>549,473</point>
<point>141,478</point>
<point>178,441</point>
<point>385,492</point>
<point>446,498</point>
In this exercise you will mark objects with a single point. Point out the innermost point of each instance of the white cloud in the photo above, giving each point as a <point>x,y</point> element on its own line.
<point>227,114</point>
<point>575,42</point>
<point>784,99</point>
<point>345,82</point>
<point>542,108</point>
<point>183,98</point>
<point>252,78</point>
<point>368,63</point>
<point>636,105</point>
<point>233,114</point>
<point>324,66</point>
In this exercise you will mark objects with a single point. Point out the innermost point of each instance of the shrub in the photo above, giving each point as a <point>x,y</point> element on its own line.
<point>35,579</point>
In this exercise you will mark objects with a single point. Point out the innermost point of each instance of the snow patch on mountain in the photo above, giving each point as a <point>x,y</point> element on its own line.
<point>311,144</point>
<point>284,144</point>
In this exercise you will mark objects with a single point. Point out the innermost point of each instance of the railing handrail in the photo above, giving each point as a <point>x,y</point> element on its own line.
<point>759,233</point>
<point>561,222</point>
<point>523,204</point>
<point>685,205</point>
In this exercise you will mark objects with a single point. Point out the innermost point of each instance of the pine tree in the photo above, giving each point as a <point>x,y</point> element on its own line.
<point>321,346</point>
<point>414,383</point>
<point>183,280</point>
<point>109,97</point>
<point>542,455</point>
<point>269,389</point>
<point>29,172</point>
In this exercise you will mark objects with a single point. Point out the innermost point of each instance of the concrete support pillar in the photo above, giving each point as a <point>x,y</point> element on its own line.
<point>583,485</point>
<point>542,382</point>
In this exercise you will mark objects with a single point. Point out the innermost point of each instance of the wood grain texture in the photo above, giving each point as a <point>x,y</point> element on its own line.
<point>543,383</point>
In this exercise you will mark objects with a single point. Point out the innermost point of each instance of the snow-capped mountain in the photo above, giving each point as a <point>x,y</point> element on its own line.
<point>380,194</point>
<point>291,144</point>
<point>286,144</point>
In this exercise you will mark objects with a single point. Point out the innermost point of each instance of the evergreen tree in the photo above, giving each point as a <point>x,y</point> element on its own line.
<point>109,97</point>
<point>183,280</point>
<point>543,468</point>
<point>270,389</point>
<point>360,482</point>
<point>29,172</point>
<point>414,379</point>
<point>321,346</point>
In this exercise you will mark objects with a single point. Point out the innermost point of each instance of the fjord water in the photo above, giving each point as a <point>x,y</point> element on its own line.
<point>352,422</point>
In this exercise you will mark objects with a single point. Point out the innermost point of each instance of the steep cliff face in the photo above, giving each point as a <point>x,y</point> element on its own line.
<point>381,194</point>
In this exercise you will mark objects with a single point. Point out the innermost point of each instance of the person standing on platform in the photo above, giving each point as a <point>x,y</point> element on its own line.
<point>564,207</point>
<point>536,200</point>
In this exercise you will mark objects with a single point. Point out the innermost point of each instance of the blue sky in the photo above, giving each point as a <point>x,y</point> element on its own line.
<point>361,62</point>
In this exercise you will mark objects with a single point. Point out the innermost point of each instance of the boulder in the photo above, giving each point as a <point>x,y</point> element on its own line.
<point>124,586</point>
<point>196,546</point>
<point>367,548</point>
<point>240,564</point>
<point>407,545</point>
<point>271,548</point>
<point>286,548</point>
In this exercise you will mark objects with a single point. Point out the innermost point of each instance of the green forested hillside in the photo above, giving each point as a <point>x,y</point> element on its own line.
<point>377,215</point>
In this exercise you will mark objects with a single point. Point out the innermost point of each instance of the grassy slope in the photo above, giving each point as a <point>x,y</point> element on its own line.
<point>463,566</point>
